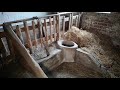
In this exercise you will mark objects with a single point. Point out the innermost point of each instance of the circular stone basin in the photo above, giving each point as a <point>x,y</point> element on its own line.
<point>68,43</point>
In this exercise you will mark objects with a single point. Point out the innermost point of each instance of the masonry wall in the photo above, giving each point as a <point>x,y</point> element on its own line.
<point>104,24</point>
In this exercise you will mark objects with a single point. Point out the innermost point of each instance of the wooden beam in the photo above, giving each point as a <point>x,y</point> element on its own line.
<point>56,24</point>
<point>76,21</point>
<point>71,19</point>
<point>40,30</point>
<point>54,28</point>
<point>32,64</point>
<point>46,32</point>
<point>79,16</point>
<point>28,37</point>
<point>50,29</point>
<point>63,27</point>
<point>19,33</point>
<point>34,33</point>
<point>58,27</point>
<point>69,22</point>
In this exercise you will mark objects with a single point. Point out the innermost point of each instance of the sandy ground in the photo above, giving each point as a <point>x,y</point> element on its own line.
<point>102,50</point>
<point>75,70</point>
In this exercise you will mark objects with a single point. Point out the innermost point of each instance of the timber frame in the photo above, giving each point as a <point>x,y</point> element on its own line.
<point>51,28</point>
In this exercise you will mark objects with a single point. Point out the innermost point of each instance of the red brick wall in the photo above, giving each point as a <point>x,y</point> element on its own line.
<point>103,23</point>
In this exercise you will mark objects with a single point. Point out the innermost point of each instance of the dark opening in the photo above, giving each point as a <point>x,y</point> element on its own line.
<point>68,43</point>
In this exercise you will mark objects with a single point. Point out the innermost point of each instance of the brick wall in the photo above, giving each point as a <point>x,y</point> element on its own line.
<point>104,24</point>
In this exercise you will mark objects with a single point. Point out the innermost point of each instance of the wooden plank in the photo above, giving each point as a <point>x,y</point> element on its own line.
<point>28,37</point>
<point>50,29</point>
<point>34,33</point>
<point>28,60</point>
<point>54,28</point>
<point>19,33</point>
<point>63,27</point>
<point>69,22</point>
<point>46,32</point>
<point>10,46</point>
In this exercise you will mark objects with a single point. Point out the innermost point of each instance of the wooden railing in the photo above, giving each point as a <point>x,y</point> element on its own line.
<point>40,31</point>
<point>45,30</point>
<point>29,62</point>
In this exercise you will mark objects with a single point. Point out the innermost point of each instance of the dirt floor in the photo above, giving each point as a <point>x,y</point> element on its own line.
<point>14,70</point>
<point>75,70</point>
<point>102,51</point>
<point>71,69</point>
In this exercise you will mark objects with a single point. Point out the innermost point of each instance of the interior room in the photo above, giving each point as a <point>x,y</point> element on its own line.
<point>59,44</point>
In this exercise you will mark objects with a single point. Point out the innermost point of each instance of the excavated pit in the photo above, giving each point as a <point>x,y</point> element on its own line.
<point>94,59</point>
<point>67,43</point>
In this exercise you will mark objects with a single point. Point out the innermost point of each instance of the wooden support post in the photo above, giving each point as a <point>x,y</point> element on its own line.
<point>76,21</point>
<point>40,30</point>
<point>58,27</point>
<point>50,29</point>
<point>56,24</point>
<point>28,60</point>
<point>19,33</point>
<point>69,22</point>
<point>79,16</point>
<point>46,32</point>
<point>34,34</point>
<point>54,28</point>
<point>28,37</point>
<point>63,26</point>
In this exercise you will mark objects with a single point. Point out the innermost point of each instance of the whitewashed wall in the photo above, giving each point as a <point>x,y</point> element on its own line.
<point>11,16</point>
